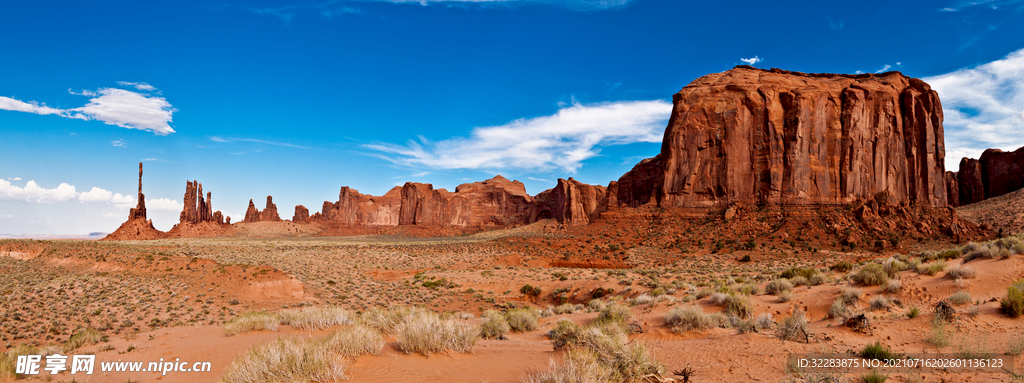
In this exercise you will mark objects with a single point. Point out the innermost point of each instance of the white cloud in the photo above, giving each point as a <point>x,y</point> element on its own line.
<point>752,60</point>
<point>563,140</point>
<point>119,143</point>
<point>231,140</point>
<point>138,85</point>
<point>64,192</point>
<point>964,4</point>
<point>983,107</point>
<point>14,179</point>
<point>163,204</point>
<point>112,106</point>
<point>884,68</point>
<point>583,5</point>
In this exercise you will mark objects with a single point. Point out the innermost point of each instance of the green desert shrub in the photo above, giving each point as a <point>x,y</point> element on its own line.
<point>565,333</point>
<point>793,327</point>
<point>931,268</point>
<point>522,319</point>
<point>1013,303</point>
<point>871,274</point>
<point>495,325</point>
<point>252,321</point>
<point>877,351</point>
<point>739,306</point>
<point>614,313</point>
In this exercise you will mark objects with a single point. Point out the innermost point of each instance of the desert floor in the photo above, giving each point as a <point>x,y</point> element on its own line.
<point>170,299</point>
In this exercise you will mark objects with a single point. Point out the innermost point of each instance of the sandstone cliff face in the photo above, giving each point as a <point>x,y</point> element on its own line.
<point>139,211</point>
<point>494,202</point>
<point>301,214</point>
<point>571,202</point>
<point>269,213</point>
<point>996,173</point>
<point>778,137</point>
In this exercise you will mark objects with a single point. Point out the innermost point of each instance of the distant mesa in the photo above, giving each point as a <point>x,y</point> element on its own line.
<point>871,144</point>
<point>994,174</point>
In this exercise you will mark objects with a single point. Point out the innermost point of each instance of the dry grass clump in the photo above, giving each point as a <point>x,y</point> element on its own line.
<point>961,272</point>
<point>688,318</point>
<point>494,325</point>
<point>317,318</point>
<point>850,296</point>
<point>838,309</point>
<point>999,248</point>
<point>353,341</point>
<point>606,342</point>
<point>426,333</point>
<point>252,321</point>
<point>388,319</point>
<point>522,320</point>
<point>739,306</point>
<point>579,366</point>
<point>1013,303</point>
<point>8,362</point>
<point>84,338</point>
<point>287,359</point>
<point>614,313</point>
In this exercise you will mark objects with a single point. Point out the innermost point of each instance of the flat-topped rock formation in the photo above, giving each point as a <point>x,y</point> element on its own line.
<point>775,137</point>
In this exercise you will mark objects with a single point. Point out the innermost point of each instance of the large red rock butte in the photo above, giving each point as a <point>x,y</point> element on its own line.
<point>994,174</point>
<point>197,209</point>
<point>775,137</point>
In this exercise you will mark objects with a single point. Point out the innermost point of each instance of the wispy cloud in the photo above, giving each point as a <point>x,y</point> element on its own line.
<point>562,140</point>
<point>884,68</point>
<point>992,4</point>
<point>752,60</point>
<point>232,140</point>
<point>538,179</point>
<point>14,179</point>
<point>983,107</point>
<point>112,106</point>
<point>583,5</point>
<point>833,25</point>
<point>119,143</point>
<point>33,193</point>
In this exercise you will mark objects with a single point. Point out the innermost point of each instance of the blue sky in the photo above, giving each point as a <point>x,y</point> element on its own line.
<point>296,99</point>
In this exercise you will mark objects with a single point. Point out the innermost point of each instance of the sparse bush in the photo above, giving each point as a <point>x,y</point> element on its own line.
<point>793,327</point>
<point>939,336</point>
<point>764,321</point>
<point>850,296</point>
<point>893,266</point>
<point>874,377</point>
<point>565,333</point>
<point>778,285</point>
<point>688,318</point>
<point>252,321</point>
<point>960,297</point>
<point>892,286</point>
<point>961,272</point>
<point>1013,303</point>
<point>522,320</point>
<point>838,309</point>
<point>798,280</point>
<point>8,362</point>
<point>1015,346</point>
<point>880,303</point>
<point>913,312</point>
<point>871,274</point>
<point>785,296</point>
<point>494,325</point>
<point>614,313</point>
<point>877,351</point>
<point>596,305</point>
<point>718,298</point>
<point>817,279</point>
<point>578,366</point>
<point>388,319</point>
<point>931,268</point>
<point>842,267</point>
<point>739,305</point>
